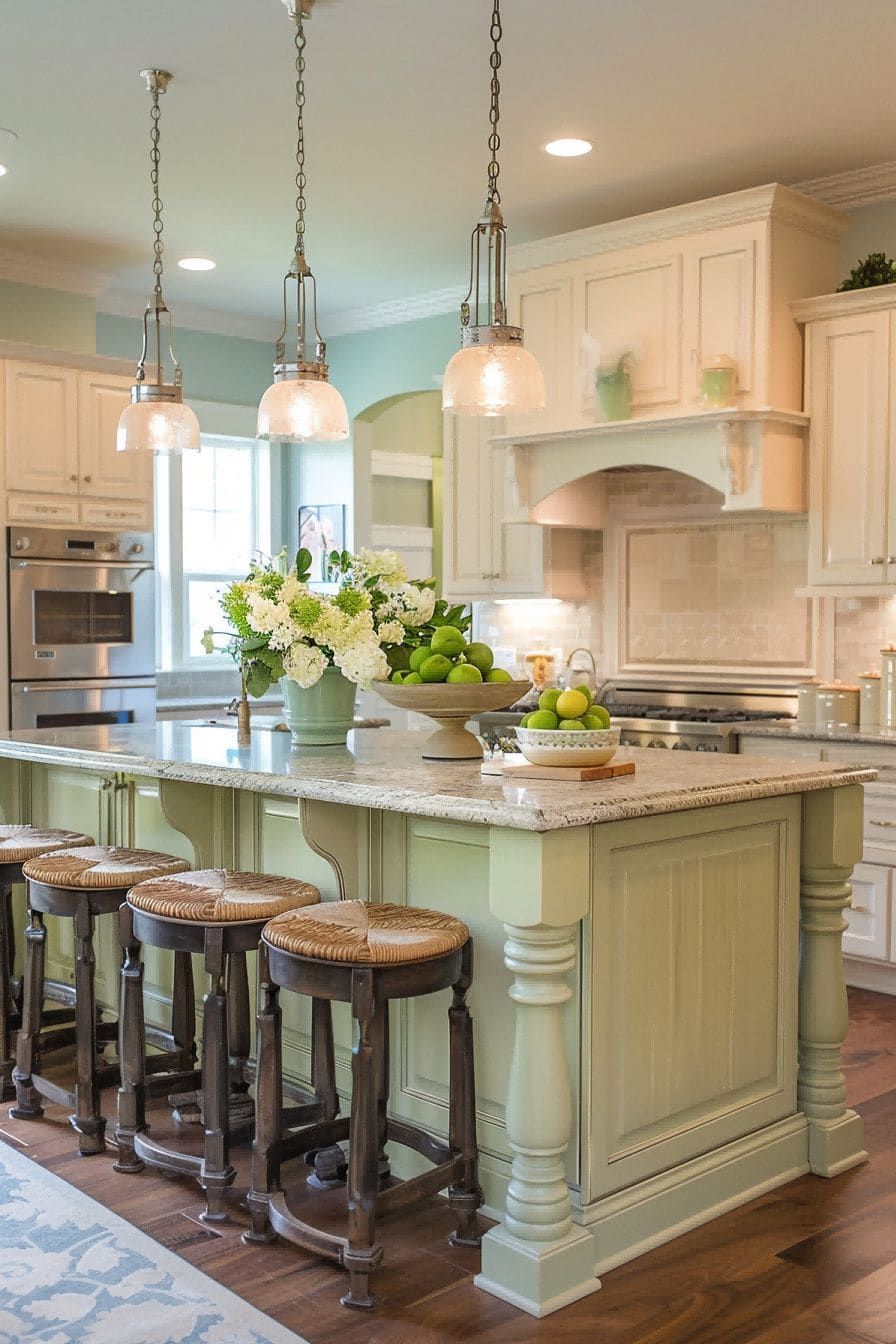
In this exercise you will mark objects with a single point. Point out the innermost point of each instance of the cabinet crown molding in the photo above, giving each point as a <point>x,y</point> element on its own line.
<point>878,299</point>
<point>772,202</point>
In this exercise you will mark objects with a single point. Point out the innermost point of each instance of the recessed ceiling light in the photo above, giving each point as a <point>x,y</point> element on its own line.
<point>196,264</point>
<point>3,170</point>
<point>569,148</point>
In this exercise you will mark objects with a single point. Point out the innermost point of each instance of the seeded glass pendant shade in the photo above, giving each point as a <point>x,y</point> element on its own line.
<point>493,373</point>
<point>301,406</point>
<point>157,421</point>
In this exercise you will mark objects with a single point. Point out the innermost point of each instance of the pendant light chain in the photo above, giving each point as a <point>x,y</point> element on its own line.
<point>158,245</point>
<point>301,179</point>
<point>494,139</point>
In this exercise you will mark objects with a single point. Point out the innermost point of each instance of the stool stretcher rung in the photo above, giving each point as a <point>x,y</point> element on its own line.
<point>419,1187</point>
<point>302,1234</point>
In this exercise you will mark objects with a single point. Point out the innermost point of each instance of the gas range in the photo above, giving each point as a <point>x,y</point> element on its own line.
<point>688,720</point>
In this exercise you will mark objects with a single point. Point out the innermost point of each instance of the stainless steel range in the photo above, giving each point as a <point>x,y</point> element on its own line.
<point>689,720</point>
<point>81,628</point>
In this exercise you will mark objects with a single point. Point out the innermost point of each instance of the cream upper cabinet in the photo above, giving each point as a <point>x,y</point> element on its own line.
<point>104,472</point>
<point>485,556</point>
<point>61,464</point>
<point>674,289</point>
<point>41,428</point>
<point>852,532</point>
<point>630,303</point>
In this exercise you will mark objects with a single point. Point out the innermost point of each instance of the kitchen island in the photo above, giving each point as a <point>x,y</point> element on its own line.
<point>655,1043</point>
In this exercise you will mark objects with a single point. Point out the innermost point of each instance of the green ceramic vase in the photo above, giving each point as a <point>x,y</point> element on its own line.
<point>321,715</point>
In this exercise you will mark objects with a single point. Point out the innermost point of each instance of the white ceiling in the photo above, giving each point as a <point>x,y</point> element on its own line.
<point>682,100</point>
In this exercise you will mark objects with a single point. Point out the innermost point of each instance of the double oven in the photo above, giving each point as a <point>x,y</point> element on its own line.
<point>81,628</point>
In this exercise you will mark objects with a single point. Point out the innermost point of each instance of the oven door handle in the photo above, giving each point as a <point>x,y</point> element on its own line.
<point>137,565</point>
<point>91,684</point>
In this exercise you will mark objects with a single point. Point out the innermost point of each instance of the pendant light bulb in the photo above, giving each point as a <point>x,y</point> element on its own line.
<point>157,421</point>
<point>301,405</point>
<point>492,374</point>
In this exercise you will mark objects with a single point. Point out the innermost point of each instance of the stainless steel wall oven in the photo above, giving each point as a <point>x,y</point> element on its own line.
<point>81,627</point>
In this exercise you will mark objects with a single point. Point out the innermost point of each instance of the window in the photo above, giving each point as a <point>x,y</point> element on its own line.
<point>213,512</point>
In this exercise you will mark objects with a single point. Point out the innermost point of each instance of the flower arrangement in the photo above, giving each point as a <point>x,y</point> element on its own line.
<point>284,629</point>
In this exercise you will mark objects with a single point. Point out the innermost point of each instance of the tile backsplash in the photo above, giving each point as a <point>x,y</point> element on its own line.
<point>862,626</point>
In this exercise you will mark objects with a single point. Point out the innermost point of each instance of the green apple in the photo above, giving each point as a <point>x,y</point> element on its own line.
<point>481,656</point>
<point>543,718</point>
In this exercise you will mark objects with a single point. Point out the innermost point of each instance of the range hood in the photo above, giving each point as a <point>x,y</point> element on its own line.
<point>755,459</point>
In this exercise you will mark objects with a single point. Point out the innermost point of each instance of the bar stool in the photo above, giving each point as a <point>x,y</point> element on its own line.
<point>220,915</point>
<point>18,844</point>
<point>364,955</point>
<point>79,884</point>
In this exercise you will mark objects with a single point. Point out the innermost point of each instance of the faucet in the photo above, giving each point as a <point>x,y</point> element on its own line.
<point>600,689</point>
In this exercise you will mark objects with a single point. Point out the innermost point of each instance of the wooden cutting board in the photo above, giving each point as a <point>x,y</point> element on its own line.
<point>582,773</point>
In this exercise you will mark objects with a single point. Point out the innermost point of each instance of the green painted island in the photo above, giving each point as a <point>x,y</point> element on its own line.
<point>658,998</point>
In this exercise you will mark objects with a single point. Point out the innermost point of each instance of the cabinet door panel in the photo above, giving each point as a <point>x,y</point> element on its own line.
<point>41,428</point>
<point>542,306</point>
<point>518,549</point>
<point>634,307</point>
<point>848,361</point>
<point>468,537</point>
<point>720,316</point>
<point>868,919</point>
<point>104,472</point>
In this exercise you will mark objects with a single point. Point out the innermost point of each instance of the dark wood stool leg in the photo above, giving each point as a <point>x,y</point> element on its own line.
<point>323,1057</point>
<point>131,1048</point>
<point>183,1010</point>
<point>28,1105</point>
<point>268,1103</point>
<point>8,1008</point>
<point>217,1173</point>
<point>87,1121</point>
<point>466,1196</point>
<point>238,1020</point>
<point>362,1256</point>
<point>380,1042</point>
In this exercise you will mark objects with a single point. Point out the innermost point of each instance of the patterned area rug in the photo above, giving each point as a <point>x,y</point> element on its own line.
<point>72,1272</point>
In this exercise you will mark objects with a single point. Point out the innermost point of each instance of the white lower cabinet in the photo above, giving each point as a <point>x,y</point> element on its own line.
<point>869,941</point>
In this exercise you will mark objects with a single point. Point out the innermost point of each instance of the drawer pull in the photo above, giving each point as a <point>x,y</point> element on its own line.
<point>877,560</point>
<point>860,909</point>
<point>887,825</point>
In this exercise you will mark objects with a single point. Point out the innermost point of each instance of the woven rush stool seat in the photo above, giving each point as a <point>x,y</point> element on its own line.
<point>364,955</point>
<point>18,844</point>
<point>81,883</point>
<point>219,915</point>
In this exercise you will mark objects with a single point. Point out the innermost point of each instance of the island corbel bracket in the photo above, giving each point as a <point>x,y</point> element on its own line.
<point>831,845</point>
<point>539,887</point>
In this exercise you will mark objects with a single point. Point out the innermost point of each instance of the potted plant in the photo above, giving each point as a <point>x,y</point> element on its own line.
<point>614,388</point>
<point>321,646</point>
<point>876,269</point>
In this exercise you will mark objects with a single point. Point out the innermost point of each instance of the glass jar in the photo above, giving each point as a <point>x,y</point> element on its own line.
<point>806,693</point>
<point>888,686</point>
<point>869,699</point>
<point>718,383</point>
<point>837,706</point>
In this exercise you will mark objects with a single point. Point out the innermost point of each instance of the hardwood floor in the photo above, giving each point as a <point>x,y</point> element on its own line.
<point>811,1263</point>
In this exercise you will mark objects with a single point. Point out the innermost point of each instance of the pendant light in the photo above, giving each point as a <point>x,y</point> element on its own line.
<point>492,374</point>
<point>301,406</point>
<point>157,421</point>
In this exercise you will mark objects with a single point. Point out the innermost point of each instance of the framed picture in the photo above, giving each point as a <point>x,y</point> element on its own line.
<point>322,530</point>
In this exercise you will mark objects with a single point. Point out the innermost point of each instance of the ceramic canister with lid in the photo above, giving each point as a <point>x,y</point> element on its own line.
<point>888,686</point>
<point>806,693</point>
<point>869,699</point>
<point>837,706</point>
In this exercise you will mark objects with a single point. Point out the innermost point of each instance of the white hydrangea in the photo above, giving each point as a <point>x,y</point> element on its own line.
<point>385,565</point>
<point>292,588</point>
<point>271,618</point>
<point>305,664</point>
<point>391,632</point>
<point>363,663</point>
<point>419,605</point>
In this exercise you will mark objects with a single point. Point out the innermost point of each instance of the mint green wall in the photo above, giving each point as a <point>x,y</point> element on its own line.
<point>367,366</point>
<point>39,316</point>
<point>216,368</point>
<point>873,229</point>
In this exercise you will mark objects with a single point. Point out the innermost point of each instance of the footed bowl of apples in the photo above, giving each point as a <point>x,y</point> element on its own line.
<point>451,681</point>
<point>568,728</point>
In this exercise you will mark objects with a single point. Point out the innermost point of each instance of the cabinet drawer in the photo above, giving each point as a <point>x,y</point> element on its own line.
<point>103,513</point>
<point>879,826</point>
<point>788,748</point>
<point>39,509</point>
<point>868,921</point>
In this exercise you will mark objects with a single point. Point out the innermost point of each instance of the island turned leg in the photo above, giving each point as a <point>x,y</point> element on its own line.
<point>536,1257</point>
<point>831,845</point>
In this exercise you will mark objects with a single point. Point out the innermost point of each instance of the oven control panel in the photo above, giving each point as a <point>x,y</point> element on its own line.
<point>48,543</point>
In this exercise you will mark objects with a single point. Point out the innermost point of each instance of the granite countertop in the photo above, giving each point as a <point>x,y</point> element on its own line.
<point>264,723</point>
<point>384,771</point>
<point>808,732</point>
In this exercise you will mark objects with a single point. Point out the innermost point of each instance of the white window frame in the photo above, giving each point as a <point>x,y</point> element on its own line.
<point>172,631</point>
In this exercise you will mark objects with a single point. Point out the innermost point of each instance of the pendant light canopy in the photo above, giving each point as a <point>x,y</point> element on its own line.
<point>157,421</point>
<point>301,406</point>
<point>492,374</point>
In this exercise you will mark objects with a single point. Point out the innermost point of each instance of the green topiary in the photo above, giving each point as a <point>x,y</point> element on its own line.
<point>876,269</point>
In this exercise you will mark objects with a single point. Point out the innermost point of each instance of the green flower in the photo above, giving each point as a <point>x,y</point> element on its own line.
<point>208,640</point>
<point>350,602</point>
<point>236,608</point>
<point>306,611</point>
